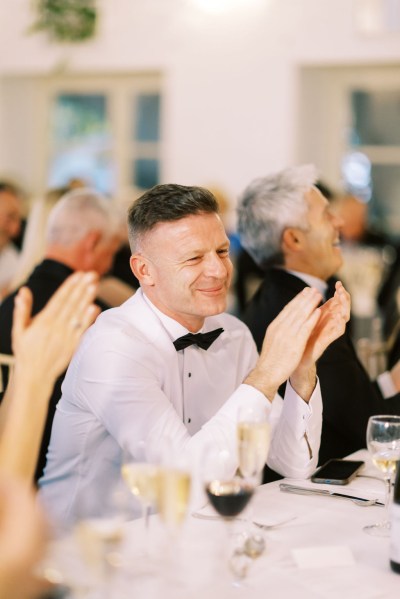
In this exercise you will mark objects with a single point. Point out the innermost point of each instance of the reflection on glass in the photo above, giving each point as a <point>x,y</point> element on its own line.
<point>147,121</point>
<point>81,141</point>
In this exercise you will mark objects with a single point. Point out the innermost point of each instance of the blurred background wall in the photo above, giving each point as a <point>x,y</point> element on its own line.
<point>234,90</point>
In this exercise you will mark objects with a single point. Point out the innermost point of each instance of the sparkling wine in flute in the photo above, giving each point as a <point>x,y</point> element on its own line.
<point>385,456</point>
<point>385,463</point>
<point>142,480</point>
<point>253,445</point>
<point>173,495</point>
<point>229,498</point>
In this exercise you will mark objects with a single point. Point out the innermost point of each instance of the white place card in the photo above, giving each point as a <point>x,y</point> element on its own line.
<point>323,557</point>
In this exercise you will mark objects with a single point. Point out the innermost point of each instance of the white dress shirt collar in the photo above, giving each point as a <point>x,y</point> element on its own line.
<point>312,281</point>
<point>173,327</point>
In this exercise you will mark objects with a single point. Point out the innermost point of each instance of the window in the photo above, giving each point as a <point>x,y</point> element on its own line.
<point>350,128</point>
<point>106,130</point>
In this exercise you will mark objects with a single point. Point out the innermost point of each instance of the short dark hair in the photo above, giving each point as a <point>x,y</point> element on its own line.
<point>166,203</point>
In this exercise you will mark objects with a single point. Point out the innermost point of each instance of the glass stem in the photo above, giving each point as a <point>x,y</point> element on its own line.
<point>388,484</point>
<point>106,591</point>
<point>146,519</point>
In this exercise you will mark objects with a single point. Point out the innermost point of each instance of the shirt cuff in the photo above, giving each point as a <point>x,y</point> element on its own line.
<point>299,413</point>
<point>386,385</point>
<point>244,395</point>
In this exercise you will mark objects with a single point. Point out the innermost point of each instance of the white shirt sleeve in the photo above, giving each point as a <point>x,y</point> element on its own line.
<point>296,433</point>
<point>125,395</point>
<point>386,385</point>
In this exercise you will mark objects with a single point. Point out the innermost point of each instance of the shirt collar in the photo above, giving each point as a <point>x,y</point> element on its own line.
<point>312,281</point>
<point>173,328</point>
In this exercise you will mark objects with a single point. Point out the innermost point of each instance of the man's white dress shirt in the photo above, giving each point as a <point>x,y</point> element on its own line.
<point>127,383</point>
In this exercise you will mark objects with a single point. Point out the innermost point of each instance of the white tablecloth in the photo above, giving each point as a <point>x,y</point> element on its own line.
<point>194,564</point>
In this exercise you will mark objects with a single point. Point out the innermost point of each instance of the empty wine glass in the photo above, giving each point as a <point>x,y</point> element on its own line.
<point>383,442</point>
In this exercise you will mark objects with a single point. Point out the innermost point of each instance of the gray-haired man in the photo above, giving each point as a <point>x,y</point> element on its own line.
<point>80,235</point>
<point>288,227</point>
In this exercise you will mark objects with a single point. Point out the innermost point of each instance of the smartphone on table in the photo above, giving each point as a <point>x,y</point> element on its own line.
<point>337,472</point>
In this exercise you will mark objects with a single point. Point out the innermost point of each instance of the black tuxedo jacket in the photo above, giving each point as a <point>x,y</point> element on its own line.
<point>45,279</point>
<point>349,397</point>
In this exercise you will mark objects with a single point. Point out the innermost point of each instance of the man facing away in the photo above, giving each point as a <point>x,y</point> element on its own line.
<point>287,226</point>
<point>133,379</point>
<point>10,224</point>
<point>80,236</point>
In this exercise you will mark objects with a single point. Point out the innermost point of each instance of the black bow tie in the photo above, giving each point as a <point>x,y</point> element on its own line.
<point>203,340</point>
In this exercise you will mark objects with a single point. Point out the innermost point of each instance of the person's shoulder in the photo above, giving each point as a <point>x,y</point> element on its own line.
<point>125,321</point>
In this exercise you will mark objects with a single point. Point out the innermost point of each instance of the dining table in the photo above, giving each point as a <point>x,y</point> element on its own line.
<point>314,546</point>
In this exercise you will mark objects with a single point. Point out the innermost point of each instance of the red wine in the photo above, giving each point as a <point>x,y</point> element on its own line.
<point>229,498</point>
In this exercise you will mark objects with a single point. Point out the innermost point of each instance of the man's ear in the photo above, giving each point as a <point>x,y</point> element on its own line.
<point>291,240</point>
<point>141,268</point>
<point>85,248</point>
<point>91,239</point>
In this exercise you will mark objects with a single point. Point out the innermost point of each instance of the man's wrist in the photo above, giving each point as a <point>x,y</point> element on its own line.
<point>303,380</point>
<point>262,383</point>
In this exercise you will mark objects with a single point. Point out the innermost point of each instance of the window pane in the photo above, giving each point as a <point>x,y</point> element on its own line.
<point>145,173</point>
<point>147,118</point>
<point>81,142</point>
<point>376,118</point>
<point>385,197</point>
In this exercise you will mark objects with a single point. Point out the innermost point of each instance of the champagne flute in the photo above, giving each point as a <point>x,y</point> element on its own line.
<point>99,531</point>
<point>173,495</point>
<point>253,440</point>
<point>383,442</point>
<point>142,479</point>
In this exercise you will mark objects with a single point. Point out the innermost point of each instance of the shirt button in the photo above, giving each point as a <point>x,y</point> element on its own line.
<point>189,374</point>
<point>189,420</point>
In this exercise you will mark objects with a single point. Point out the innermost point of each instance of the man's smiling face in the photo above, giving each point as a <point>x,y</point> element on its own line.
<point>188,269</point>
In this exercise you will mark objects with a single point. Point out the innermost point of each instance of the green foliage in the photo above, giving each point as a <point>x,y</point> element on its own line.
<point>67,20</point>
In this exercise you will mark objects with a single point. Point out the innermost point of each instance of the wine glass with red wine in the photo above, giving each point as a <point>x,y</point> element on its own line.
<point>229,495</point>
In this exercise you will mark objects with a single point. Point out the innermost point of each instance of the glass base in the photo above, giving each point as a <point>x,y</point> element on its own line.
<point>382,529</point>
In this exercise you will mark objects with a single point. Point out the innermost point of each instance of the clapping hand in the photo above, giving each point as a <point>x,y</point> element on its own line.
<point>45,344</point>
<point>43,347</point>
<point>285,342</point>
<point>297,338</point>
<point>334,314</point>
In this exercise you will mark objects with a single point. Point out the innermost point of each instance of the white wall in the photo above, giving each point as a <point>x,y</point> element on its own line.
<point>231,79</point>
